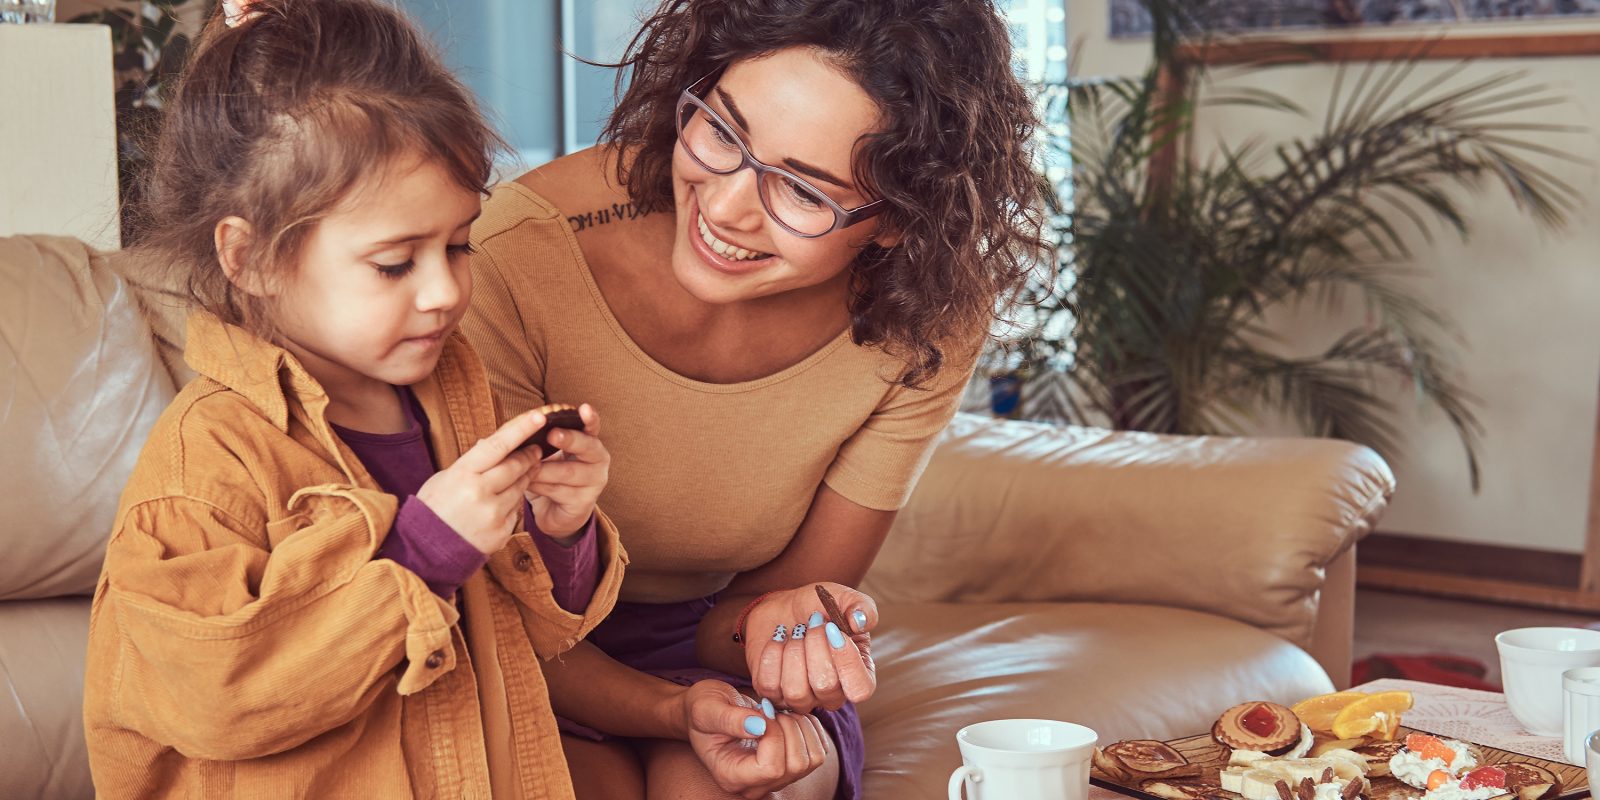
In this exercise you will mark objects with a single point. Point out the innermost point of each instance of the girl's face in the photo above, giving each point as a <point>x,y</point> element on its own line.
<point>793,110</point>
<point>382,280</point>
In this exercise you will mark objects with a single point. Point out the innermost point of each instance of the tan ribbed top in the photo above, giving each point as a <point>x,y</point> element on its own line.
<point>707,480</point>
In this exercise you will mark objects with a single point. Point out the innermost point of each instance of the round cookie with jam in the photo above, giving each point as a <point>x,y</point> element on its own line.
<point>1258,725</point>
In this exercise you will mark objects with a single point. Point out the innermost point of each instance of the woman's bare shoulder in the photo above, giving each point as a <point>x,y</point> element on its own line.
<point>576,183</point>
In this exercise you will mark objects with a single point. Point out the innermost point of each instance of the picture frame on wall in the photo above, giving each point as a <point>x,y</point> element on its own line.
<point>1130,19</point>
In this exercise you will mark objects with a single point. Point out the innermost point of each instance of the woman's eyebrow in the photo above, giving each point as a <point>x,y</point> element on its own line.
<point>798,166</point>
<point>817,172</point>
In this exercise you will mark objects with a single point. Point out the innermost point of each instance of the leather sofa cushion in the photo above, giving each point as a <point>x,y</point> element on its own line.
<point>1238,527</point>
<point>80,384</point>
<point>42,643</point>
<point>1127,671</point>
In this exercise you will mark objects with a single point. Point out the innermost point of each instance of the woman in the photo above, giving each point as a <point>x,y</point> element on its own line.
<point>774,275</point>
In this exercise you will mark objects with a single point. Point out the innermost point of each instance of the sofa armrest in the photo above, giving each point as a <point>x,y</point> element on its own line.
<point>1241,527</point>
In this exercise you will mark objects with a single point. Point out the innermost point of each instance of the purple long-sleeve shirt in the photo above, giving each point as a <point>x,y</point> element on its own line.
<point>428,546</point>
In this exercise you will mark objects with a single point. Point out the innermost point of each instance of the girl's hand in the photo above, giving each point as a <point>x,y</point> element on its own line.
<point>564,488</point>
<point>824,665</point>
<point>480,495</point>
<point>750,749</point>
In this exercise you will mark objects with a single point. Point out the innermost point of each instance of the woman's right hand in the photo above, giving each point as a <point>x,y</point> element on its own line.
<point>480,495</point>
<point>749,749</point>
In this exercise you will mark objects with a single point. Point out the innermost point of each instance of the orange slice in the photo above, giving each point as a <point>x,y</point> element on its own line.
<point>1377,714</point>
<point>1318,712</point>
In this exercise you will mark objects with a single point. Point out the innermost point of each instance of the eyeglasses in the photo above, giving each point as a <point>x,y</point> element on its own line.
<point>792,201</point>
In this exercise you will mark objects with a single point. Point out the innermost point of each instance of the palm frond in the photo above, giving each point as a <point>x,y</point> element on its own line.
<point>1175,275</point>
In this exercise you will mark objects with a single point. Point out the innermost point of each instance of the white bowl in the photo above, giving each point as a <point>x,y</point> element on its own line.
<point>1531,663</point>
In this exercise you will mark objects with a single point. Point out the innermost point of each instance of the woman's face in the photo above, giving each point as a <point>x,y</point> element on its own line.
<point>793,110</point>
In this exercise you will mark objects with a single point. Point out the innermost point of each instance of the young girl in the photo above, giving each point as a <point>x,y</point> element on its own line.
<point>325,579</point>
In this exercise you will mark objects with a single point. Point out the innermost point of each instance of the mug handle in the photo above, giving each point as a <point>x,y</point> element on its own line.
<point>959,776</point>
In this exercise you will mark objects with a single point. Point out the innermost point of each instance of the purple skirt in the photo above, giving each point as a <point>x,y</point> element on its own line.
<point>658,638</point>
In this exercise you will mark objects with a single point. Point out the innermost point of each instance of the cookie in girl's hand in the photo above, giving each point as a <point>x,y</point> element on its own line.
<point>556,415</point>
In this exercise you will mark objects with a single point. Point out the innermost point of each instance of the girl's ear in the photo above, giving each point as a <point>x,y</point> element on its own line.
<point>232,239</point>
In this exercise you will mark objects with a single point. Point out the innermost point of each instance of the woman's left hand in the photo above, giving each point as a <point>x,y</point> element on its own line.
<point>824,665</point>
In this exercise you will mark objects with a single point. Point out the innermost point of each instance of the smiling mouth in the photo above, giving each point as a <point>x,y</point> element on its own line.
<point>732,252</point>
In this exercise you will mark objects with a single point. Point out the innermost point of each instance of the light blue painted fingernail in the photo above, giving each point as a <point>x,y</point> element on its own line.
<point>816,619</point>
<point>859,617</point>
<point>799,631</point>
<point>835,636</point>
<point>755,726</point>
<point>778,635</point>
<point>766,708</point>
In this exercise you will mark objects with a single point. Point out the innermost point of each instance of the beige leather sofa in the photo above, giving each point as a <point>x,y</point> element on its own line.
<point>1138,584</point>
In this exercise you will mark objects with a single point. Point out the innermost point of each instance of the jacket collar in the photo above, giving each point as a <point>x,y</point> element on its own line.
<point>260,371</point>
<point>266,374</point>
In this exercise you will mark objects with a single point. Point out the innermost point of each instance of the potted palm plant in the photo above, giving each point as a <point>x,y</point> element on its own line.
<point>1171,266</point>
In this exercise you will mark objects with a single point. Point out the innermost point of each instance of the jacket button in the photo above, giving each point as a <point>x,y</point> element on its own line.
<point>523,561</point>
<point>435,660</point>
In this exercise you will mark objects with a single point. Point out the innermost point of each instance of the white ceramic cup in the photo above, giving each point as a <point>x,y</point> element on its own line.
<point>1580,695</point>
<point>1023,759</point>
<point>1531,663</point>
<point>1592,762</point>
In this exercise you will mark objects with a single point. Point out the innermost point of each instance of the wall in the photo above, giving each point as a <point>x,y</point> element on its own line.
<point>1525,302</point>
<point>58,168</point>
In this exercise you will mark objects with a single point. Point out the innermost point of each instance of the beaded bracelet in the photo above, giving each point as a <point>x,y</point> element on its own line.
<point>744,614</point>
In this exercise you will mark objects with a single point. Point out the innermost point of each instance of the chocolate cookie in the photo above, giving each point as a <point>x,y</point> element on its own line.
<point>556,415</point>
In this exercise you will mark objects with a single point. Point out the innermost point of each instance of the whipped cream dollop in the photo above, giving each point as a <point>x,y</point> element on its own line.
<point>1413,770</point>
<point>1451,790</point>
<point>1333,790</point>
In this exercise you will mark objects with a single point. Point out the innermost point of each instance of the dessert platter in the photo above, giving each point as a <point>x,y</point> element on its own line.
<point>1340,746</point>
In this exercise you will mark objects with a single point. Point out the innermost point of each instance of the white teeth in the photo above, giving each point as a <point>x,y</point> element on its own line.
<point>724,249</point>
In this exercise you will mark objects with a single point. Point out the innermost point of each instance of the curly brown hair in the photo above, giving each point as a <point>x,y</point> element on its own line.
<point>279,119</point>
<point>952,160</point>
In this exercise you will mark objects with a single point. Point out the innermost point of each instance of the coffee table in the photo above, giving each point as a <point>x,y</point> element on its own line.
<point>1466,714</point>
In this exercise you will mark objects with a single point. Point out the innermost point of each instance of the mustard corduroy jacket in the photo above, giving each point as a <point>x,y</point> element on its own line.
<point>244,642</point>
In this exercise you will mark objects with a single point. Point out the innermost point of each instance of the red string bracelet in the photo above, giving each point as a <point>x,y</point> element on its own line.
<point>744,614</point>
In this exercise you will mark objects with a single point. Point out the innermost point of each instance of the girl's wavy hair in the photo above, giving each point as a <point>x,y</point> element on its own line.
<point>278,120</point>
<point>952,158</point>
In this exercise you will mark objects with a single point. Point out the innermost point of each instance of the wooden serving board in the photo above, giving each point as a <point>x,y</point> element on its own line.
<point>1213,757</point>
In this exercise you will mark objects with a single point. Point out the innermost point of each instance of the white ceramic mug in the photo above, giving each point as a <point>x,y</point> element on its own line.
<point>1531,663</point>
<point>1580,694</point>
<point>1023,759</point>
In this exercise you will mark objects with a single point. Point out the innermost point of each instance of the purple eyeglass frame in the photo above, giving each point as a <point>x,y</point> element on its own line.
<point>842,217</point>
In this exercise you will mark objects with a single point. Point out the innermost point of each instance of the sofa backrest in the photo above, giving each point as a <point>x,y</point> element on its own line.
<point>83,381</point>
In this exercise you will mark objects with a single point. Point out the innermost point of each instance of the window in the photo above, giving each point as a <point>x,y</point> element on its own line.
<point>546,103</point>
